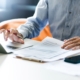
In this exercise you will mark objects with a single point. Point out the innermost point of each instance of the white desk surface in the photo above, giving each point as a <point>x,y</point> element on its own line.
<point>16,69</point>
<point>12,68</point>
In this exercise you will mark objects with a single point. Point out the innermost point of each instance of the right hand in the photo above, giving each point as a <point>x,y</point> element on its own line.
<point>12,34</point>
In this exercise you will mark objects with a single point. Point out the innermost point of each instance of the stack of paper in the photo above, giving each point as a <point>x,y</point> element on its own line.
<point>47,50</point>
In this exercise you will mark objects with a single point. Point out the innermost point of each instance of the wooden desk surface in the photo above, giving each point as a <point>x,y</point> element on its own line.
<point>12,68</point>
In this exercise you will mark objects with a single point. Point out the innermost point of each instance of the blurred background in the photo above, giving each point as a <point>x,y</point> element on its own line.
<point>11,9</point>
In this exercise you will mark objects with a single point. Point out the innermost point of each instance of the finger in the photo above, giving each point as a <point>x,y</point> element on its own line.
<point>12,33</point>
<point>15,38</point>
<point>71,39</point>
<point>75,41</point>
<point>19,40</point>
<point>65,40</point>
<point>11,37</point>
<point>15,32</point>
<point>2,30</point>
<point>76,48</point>
<point>70,46</point>
<point>6,34</point>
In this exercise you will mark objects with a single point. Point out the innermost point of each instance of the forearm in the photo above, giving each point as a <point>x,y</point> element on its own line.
<point>36,23</point>
<point>29,29</point>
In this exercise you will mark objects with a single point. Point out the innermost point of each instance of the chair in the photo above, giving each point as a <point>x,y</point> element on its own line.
<point>14,23</point>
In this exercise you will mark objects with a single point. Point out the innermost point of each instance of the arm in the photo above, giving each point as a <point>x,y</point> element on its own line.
<point>36,23</point>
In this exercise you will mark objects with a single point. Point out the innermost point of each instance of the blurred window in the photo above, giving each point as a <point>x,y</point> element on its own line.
<point>2,3</point>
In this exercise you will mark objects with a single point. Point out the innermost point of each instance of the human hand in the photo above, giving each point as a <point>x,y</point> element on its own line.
<point>73,43</point>
<point>12,34</point>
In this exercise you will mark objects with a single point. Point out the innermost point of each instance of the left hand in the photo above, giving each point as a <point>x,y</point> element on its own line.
<point>73,43</point>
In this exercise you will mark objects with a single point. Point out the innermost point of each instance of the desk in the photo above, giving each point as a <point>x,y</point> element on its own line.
<point>12,68</point>
<point>16,69</point>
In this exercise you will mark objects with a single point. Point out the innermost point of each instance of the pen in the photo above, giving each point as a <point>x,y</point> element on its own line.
<point>30,59</point>
<point>36,60</point>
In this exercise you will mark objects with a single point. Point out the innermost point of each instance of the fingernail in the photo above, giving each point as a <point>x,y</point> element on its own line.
<point>5,38</point>
<point>15,33</point>
<point>21,41</point>
<point>62,46</point>
<point>66,48</point>
<point>8,31</point>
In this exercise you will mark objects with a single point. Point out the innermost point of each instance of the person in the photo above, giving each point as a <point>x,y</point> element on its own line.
<point>63,17</point>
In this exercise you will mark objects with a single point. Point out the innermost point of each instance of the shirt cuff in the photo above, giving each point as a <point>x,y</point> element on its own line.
<point>23,32</point>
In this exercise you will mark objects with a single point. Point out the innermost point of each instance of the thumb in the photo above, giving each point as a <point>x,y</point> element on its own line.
<point>17,39</point>
<point>21,41</point>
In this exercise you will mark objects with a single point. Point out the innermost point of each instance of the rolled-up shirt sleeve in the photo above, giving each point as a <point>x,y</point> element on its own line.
<point>36,23</point>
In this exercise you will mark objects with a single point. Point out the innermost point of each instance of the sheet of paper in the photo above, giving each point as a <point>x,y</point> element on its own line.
<point>48,50</point>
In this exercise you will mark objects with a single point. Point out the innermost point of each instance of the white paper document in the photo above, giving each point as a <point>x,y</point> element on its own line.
<point>47,50</point>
